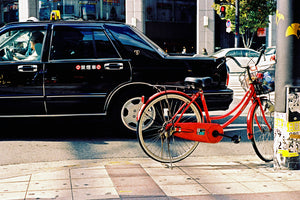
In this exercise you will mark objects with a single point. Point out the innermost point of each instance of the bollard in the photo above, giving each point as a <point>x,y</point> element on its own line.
<point>287,87</point>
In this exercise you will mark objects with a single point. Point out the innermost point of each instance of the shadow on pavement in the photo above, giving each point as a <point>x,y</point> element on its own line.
<point>87,128</point>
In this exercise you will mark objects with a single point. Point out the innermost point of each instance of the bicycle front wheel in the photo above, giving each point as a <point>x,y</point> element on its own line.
<point>263,130</point>
<point>156,142</point>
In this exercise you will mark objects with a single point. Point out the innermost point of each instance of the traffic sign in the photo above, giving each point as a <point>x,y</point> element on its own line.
<point>228,23</point>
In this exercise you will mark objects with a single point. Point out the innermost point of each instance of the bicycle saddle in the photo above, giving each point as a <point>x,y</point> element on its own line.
<point>198,82</point>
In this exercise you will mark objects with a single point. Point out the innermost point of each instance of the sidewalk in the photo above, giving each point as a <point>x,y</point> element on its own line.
<point>208,178</point>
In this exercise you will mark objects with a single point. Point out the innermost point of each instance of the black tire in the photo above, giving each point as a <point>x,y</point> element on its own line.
<point>263,137</point>
<point>151,128</point>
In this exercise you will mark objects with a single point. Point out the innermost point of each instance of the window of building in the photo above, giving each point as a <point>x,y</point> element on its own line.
<point>80,43</point>
<point>171,10</point>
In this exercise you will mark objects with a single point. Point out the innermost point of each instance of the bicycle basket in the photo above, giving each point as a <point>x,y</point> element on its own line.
<point>262,77</point>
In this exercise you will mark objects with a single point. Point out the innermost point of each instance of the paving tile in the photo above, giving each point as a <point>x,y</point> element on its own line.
<point>13,187</point>
<point>91,182</point>
<point>133,181</point>
<point>164,171</point>
<point>200,170</point>
<point>49,194</point>
<point>248,177</point>
<point>15,179</point>
<point>226,188</point>
<point>260,187</point>
<point>258,196</point>
<point>123,171</point>
<point>13,195</point>
<point>184,190</point>
<point>294,185</point>
<point>95,193</point>
<point>284,176</point>
<point>173,180</point>
<point>49,185</point>
<point>52,175</point>
<point>212,178</point>
<point>89,173</point>
<point>139,191</point>
<point>135,184</point>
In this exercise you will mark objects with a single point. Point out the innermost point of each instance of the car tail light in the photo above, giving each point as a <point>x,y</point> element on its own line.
<point>273,58</point>
<point>227,79</point>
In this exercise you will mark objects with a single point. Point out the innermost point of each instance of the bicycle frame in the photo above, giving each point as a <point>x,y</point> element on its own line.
<point>250,95</point>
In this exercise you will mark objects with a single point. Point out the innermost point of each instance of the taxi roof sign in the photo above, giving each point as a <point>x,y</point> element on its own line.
<point>55,15</point>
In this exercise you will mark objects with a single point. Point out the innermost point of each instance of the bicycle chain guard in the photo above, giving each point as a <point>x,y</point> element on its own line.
<point>201,132</point>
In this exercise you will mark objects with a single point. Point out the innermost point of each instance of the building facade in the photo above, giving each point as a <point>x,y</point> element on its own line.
<point>175,25</point>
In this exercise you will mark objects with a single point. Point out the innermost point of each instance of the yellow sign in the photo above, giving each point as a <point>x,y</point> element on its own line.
<point>279,123</point>
<point>55,15</point>
<point>293,136</point>
<point>293,126</point>
<point>286,153</point>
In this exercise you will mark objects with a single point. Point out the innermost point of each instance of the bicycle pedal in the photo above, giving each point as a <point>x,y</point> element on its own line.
<point>236,139</point>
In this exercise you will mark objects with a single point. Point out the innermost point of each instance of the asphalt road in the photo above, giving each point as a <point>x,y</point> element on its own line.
<point>57,139</point>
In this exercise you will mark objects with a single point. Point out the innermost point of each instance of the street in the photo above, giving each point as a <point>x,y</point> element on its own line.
<point>58,139</point>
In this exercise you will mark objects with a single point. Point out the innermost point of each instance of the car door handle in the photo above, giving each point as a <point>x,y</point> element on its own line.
<point>113,66</point>
<point>27,68</point>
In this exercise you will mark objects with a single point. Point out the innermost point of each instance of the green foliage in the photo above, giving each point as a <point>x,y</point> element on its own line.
<point>254,14</point>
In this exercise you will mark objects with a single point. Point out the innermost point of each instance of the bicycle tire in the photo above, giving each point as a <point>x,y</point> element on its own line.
<point>152,138</point>
<point>263,137</point>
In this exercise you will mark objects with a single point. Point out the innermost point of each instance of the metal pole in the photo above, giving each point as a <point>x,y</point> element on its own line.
<point>287,86</point>
<point>237,24</point>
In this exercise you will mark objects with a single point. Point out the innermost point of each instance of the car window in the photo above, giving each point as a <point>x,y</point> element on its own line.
<point>249,53</point>
<point>22,44</point>
<point>80,43</point>
<point>235,53</point>
<point>270,51</point>
<point>129,38</point>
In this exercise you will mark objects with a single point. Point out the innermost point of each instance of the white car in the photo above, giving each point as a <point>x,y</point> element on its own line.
<point>243,55</point>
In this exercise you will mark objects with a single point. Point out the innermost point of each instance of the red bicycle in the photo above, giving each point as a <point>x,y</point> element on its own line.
<point>171,123</point>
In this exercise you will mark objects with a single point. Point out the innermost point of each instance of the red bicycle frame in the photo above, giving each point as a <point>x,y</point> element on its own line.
<point>250,95</point>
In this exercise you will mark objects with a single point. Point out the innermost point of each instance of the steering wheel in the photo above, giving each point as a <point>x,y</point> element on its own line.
<point>8,54</point>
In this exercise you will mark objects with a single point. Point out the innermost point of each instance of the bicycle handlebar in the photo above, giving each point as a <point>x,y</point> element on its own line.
<point>262,51</point>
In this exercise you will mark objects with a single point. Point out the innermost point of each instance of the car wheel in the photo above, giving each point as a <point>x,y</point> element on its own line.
<point>125,110</point>
<point>129,112</point>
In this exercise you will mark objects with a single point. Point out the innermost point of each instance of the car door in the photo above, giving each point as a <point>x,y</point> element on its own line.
<point>21,71</point>
<point>84,67</point>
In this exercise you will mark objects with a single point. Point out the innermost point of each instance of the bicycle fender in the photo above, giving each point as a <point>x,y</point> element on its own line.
<point>159,94</point>
<point>250,119</point>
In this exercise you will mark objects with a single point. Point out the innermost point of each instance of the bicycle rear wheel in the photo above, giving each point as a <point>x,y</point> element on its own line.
<point>263,136</point>
<point>155,141</point>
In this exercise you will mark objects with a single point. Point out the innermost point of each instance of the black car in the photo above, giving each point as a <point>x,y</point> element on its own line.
<point>92,68</point>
